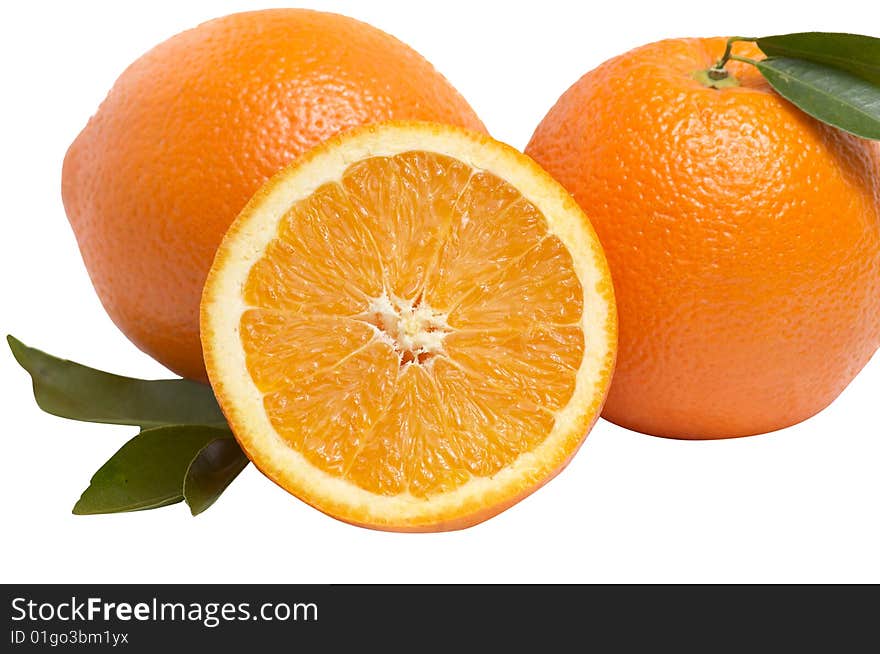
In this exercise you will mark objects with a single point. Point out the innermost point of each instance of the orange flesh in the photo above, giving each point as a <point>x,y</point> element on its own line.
<point>413,326</point>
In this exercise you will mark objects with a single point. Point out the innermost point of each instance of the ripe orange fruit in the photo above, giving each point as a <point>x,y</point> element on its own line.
<point>742,235</point>
<point>410,328</point>
<point>194,127</point>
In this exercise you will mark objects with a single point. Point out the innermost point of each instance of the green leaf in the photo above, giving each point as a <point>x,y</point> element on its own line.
<point>148,471</point>
<point>70,390</point>
<point>833,96</point>
<point>215,467</point>
<point>853,53</point>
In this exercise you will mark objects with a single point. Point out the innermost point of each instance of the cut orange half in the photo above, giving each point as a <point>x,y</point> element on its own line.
<point>410,328</point>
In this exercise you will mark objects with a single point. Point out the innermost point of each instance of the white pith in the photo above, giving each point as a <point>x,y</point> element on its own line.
<point>224,304</point>
<point>411,328</point>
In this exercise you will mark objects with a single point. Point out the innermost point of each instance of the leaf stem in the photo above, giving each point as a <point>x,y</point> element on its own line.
<point>718,72</point>
<point>745,60</point>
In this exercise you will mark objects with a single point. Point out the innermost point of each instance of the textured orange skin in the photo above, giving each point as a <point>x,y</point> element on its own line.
<point>743,239</point>
<point>194,127</point>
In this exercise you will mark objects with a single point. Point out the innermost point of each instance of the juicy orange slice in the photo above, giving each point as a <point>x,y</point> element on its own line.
<point>410,328</point>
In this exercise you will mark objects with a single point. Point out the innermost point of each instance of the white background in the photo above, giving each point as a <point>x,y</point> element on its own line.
<point>798,505</point>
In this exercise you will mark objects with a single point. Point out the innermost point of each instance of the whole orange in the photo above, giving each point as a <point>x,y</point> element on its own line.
<point>743,239</point>
<point>195,126</point>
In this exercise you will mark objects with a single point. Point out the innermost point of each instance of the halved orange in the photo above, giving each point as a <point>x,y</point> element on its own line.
<point>410,328</point>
